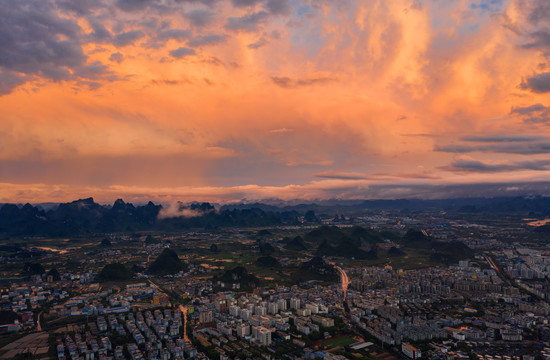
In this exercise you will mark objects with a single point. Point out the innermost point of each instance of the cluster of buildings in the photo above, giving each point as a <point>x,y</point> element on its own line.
<point>437,312</point>
<point>525,263</point>
<point>151,335</point>
<point>256,320</point>
<point>98,302</point>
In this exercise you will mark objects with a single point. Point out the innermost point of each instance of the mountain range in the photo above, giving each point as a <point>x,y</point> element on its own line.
<point>85,216</point>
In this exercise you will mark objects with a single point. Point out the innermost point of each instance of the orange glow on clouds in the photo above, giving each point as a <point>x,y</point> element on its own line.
<point>224,100</point>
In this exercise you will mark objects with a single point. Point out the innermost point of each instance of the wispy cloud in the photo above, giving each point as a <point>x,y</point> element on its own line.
<point>288,83</point>
<point>342,175</point>
<point>476,166</point>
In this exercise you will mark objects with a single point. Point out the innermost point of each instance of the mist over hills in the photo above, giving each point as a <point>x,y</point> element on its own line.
<point>86,216</point>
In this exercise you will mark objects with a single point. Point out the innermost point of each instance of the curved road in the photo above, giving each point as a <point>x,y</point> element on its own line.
<point>344,280</point>
<point>38,326</point>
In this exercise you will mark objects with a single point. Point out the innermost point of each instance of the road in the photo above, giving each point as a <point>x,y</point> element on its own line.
<point>492,264</point>
<point>511,281</point>
<point>497,269</point>
<point>38,326</point>
<point>183,310</point>
<point>344,280</point>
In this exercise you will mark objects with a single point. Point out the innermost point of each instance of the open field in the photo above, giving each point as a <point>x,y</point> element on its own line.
<point>339,341</point>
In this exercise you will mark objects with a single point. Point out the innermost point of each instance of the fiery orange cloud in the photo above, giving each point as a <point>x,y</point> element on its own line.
<point>222,100</point>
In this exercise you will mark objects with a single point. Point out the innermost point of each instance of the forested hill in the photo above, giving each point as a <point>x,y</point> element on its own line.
<point>86,216</point>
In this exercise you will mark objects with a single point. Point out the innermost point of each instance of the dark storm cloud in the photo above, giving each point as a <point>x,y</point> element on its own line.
<point>133,5</point>
<point>100,32</point>
<point>341,175</point>
<point>200,17</point>
<point>539,40</point>
<point>536,113</point>
<point>513,148</point>
<point>460,149</point>
<point>278,7</point>
<point>288,83</point>
<point>475,166</point>
<point>527,110</point>
<point>540,11</point>
<point>127,38</point>
<point>539,83</point>
<point>182,52</point>
<point>91,71</point>
<point>80,7</point>
<point>36,45</point>
<point>116,57</point>
<point>503,144</point>
<point>43,38</point>
<point>245,3</point>
<point>248,22</point>
<point>380,176</point>
<point>504,138</point>
<point>177,34</point>
<point>206,40</point>
<point>10,80</point>
<point>204,2</point>
<point>36,41</point>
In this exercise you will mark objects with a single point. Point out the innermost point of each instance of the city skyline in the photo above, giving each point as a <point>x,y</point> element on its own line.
<point>216,100</point>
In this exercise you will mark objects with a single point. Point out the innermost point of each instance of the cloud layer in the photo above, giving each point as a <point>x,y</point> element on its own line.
<point>271,98</point>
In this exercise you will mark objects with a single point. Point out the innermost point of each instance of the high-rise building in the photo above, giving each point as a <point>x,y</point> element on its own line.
<point>273,308</point>
<point>294,303</point>
<point>260,310</point>
<point>314,308</point>
<point>206,317</point>
<point>262,335</point>
<point>243,330</point>
<point>221,305</point>
<point>245,314</point>
<point>282,304</point>
<point>234,310</point>
<point>411,351</point>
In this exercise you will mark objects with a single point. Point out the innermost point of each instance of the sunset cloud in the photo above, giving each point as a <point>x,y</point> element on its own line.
<point>231,99</point>
<point>181,52</point>
<point>479,166</point>
<point>539,83</point>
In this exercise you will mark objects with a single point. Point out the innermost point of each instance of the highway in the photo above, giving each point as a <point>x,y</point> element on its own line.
<point>495,267</point>
<point>492,264</point>
<point>344,280</point>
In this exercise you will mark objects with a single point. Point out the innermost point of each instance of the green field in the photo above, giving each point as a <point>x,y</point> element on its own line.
<point>340,341</point>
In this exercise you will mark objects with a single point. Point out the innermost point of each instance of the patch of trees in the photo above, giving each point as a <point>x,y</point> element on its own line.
<point>114,272</point>
<point>167,263</point>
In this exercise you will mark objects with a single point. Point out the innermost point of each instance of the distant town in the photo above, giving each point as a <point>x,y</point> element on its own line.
<point>337,284</point>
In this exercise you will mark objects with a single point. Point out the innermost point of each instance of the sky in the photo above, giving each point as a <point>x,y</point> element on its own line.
<point>246,100</point>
